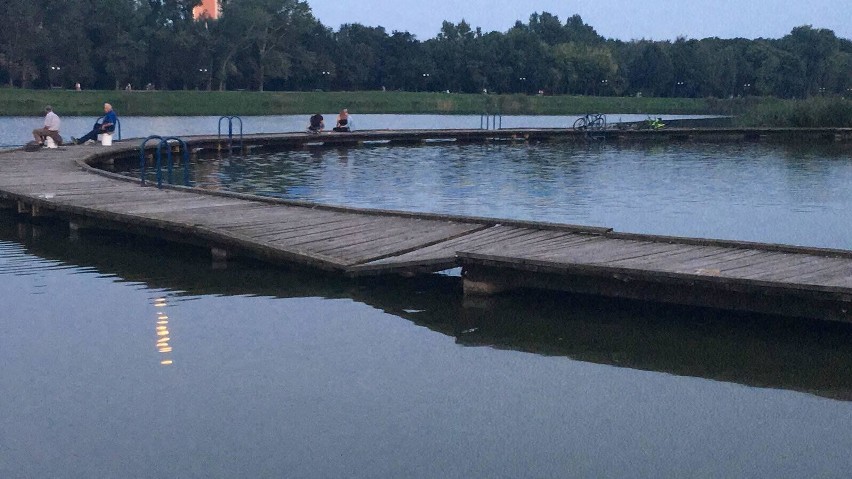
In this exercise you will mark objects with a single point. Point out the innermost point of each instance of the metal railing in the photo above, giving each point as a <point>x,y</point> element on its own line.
<point>159,159</point>
<point>230,132</point>
<point>491,121</point>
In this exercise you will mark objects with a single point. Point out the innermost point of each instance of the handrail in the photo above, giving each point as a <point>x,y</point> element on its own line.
<point>488,121</point>
<point>159,162</point>
<point>171,162</point>
<point>230,131</point>
<point>142,155</point>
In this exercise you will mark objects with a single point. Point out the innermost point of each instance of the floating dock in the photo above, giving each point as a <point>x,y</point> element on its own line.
<point>495,255</point>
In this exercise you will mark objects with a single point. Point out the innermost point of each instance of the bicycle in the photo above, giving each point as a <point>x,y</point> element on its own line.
<point>591,121</point>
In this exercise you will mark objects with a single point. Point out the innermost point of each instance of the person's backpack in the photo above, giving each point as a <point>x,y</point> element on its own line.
<point>33,146</point>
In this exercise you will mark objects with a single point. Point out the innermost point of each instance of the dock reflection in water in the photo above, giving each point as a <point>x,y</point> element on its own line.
<point>283,374</point>
<point>806,356</point>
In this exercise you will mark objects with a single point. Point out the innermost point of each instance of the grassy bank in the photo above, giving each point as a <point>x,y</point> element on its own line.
<point>15,102</point>
<point>751,111</point>
<point>811,113</point>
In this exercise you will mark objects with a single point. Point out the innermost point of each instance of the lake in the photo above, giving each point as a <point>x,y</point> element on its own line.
<point>128,357</point>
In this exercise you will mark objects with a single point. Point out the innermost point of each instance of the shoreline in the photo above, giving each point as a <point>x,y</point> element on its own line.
<point>18,102</point>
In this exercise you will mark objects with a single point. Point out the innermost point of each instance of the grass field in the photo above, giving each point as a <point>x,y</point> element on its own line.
<point>750,111</point>
<point>15,102</point>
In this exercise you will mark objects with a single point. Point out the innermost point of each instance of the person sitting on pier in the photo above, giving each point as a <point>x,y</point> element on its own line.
<point>343,123</point>
<point>107,125</point>
<point>316,123</point>
<point>50,128</point>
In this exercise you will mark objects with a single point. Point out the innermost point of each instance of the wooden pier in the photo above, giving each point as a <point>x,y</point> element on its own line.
<point>496,255</point>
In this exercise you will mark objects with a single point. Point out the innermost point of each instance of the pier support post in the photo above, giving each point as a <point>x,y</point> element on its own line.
<point>220,257</point>
<point>37,211</point>
<point>23,208</point>
<point>73,230</point>
<point>475,283</point>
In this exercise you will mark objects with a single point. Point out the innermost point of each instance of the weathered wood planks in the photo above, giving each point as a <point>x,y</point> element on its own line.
<point>359,242</point>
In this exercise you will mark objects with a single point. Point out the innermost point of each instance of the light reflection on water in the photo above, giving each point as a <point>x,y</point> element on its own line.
<point>753,192</point>
<point>287,374</point>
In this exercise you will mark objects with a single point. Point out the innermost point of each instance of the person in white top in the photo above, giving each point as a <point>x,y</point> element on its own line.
<point>50,128</point>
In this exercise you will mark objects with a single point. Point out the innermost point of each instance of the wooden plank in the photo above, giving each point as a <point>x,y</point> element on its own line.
<point>315,223</point>
<point>546,244</point>
<point>346,246</point>
<point>447,249</point>
<point>682,253</point>
<point>827,276</point>
<point>311,234</point>
<point>766,261</point>
<point>400,245</point>
<point>797,265</point>
<point>591,252</point>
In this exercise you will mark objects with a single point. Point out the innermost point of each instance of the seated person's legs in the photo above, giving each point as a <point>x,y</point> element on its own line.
<point>39,134</point>
<point>92,135</point>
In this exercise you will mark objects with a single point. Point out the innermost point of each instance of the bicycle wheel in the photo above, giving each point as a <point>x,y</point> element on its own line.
<point>598,123</point>
<point>581,123</point>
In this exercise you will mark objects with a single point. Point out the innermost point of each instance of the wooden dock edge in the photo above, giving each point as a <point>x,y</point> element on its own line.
<point>485,275</point>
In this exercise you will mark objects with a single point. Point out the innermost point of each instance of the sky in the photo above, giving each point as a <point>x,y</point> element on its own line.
<point>619,19</point>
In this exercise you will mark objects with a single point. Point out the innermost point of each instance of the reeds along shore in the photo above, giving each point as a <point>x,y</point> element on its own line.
<point>749,111</point>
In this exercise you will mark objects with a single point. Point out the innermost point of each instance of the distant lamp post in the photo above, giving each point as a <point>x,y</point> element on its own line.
<point>54,73</point>
<point>326,79</point>
<point>680,86</point>
<point>426,77</point>
<point>604,85</point>
<point>822,91</point>
<point>202,72</point>
<point>746,87</point>
<point>523,81</point>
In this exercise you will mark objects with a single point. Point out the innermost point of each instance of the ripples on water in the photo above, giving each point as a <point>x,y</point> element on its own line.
<point>753,192</point>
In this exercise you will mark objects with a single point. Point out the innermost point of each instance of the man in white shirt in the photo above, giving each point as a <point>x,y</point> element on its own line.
<point>51,127</point>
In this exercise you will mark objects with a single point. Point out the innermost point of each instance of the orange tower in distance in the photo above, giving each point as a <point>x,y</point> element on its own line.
<point>208,9</point>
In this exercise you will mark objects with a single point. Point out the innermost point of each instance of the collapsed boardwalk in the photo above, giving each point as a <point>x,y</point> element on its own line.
<point>496,255</point>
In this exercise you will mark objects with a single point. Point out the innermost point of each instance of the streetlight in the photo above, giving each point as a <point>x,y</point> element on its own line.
<point>426,81</point>
<point>201,71</point>
<point>604,84</point>
<point>54,72</point>
<point>326,75</point>
<point>746,86</point>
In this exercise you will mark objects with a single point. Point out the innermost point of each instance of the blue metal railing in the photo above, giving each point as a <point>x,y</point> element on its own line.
<point>488,121</point>
<point>159,159</point>
<point>230,131</point>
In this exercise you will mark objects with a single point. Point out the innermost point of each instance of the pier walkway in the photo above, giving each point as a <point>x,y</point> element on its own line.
<point>496,255</point>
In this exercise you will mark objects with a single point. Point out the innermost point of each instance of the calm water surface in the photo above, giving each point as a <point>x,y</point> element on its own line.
<point>756,192</point>
<point>123,358</point>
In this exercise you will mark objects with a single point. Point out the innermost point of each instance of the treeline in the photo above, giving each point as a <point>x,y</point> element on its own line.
<point>279,45</point>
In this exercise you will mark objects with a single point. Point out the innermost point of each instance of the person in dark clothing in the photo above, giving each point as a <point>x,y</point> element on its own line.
<point>107,125</point>
<point>316,123</point>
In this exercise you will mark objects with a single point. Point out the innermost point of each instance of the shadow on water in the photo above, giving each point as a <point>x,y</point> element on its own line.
<point>800,355</point>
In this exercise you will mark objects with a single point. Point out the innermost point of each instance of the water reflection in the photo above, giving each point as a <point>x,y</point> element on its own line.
<point>753,350</point>
<point>163,335</point>
<point>755,192</point>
